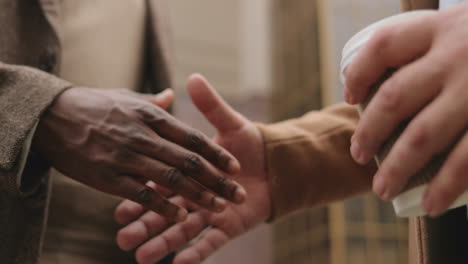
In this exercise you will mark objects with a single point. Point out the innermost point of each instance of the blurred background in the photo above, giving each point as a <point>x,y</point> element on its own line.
<point>277,59</point>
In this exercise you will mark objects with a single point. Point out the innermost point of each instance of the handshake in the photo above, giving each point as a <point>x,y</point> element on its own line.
<point>126,144</point>
<point>181,185</point>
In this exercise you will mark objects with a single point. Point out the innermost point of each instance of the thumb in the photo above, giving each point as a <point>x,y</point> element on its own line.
<point>163,99</point>
<point>212,106</point>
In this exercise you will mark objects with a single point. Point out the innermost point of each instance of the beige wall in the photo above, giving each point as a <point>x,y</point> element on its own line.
<point>225,40</point>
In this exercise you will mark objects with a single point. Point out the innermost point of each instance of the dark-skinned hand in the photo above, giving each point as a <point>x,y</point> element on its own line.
<point>115,141</point>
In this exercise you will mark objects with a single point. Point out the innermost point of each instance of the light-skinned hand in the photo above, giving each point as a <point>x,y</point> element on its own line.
<point>430,86</point>
<point>155,237</point>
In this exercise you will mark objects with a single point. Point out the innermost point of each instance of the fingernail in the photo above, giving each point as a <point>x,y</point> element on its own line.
<point>428,205</point>
<point>239,194</point>
<point>387,195</point>
<point>181,215</point>
<point>219,204</point>
<point>356,152</point>
<point>379,185</point>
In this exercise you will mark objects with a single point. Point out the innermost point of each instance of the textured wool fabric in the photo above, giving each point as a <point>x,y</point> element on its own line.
<point>28,40</point>
<point>30,91</point>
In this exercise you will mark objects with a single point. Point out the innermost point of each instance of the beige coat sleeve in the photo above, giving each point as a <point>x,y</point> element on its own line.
<point>308,160</point>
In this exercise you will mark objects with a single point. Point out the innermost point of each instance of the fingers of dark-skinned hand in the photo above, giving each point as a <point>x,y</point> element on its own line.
<point>450,182</point>
<point>429,133</point>
<point>171,129</point>
<point>146,196</point>
<point>172,178</point>
<point>189,164</point>
<point>389,48</point>
<point>401,96</point>
<point>214,153</point>
<point>203,248</point>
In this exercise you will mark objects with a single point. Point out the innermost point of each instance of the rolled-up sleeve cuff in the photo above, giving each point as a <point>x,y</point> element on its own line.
<point>27,182</point>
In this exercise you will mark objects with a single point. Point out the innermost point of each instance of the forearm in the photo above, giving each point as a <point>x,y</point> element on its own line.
<point>308,160</point>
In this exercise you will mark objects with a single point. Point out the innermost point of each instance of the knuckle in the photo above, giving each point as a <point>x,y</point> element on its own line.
<point>144,195</point>
<point>168,240</point>
<point>184,231</point>
<point>156,145</point>
<point>102,162</point>
<point>123,155</point>
<point>418,137</point>
<point>391,97</point>
<point>111,178</point>
<point>150,113</point>
<point>166,208</point>
<point>221,158</point>
<point>173,177</point>
<point>137,137</point>
<point>392,174</point>
<point>233,190</point>
<point>145,254</point>
<point>222,183</point>
<point>200,194</point>
<point>381,39</point>
<point>192,164</point>
<point>195,140</point>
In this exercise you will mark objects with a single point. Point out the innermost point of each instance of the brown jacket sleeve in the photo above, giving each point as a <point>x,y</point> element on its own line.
<point>24,94</point>
<point>408,5</point>
<point>308,160</point>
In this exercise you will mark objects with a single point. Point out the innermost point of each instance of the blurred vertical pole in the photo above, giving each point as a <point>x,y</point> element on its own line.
<point>328,77</point>
<point>328,73</point>
<point>295,60</point>
<point>302,238</point>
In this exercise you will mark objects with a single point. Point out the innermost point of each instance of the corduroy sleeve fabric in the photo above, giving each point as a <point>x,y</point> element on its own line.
<point>24,95</point>
<point>308,160</point>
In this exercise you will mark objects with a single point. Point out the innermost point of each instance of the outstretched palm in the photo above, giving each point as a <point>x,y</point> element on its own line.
<point>212,230</point>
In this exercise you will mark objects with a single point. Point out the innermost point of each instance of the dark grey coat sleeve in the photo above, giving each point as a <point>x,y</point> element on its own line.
<point>24,95</point>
